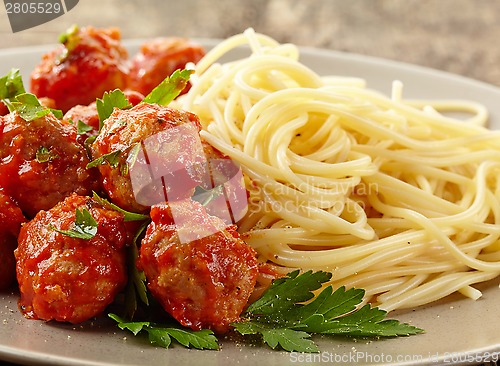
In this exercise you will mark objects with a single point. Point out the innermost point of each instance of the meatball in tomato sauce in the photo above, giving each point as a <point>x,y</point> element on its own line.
<point>11,219</point>
<point>198,268</point>
<point>70,279</point>
<point>41,162</point>
<point>159,58</point>
<point>126,130</point>
<point>89,62</point>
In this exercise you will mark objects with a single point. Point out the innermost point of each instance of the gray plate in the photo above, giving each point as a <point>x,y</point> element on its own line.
<point>458,330</point>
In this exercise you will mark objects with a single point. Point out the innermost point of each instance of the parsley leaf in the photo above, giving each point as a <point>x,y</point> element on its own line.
<point>68,34</point>
<point>289,339</point>
<point>28,106</point>
<point>128,216</point>
<point>162,336</point>
<point>112,158</point>
<point>44,155</point>
<point>282,316</point>
<point>136,285</point>
<point>82,127</point>
<point>14,95</point>
<point>131,158</point>
<point>70,39</point>
<point>89,141</point>
<point>205,196</point>
<point>11,84</point>
<point>169,88</point>
<point>110,101</point>
<point>85,226</point>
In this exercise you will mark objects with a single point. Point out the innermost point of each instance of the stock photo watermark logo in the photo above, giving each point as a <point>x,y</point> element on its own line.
<point>173,166</point>
<point>25,14</point>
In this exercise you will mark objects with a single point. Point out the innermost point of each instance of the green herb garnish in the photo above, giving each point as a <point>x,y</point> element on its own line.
<point>70,39</point>
<point>89,141</point>
<point>136,285</point>
<point>132,157</point>
<point>289,313</point>
<point>162,336</point>
<point>14,95</point>
<point>82,127</point>
<point>28,106</point>
<point>112,158</point>
<point>169,88</point>
<point>11,84</point>
<point>110,101</point>
<point>205,196</point>
<point>283,316</point>
<point>128,216</point>
<point>44,155</point>
<point>66,36</point>
<point>85,226</point>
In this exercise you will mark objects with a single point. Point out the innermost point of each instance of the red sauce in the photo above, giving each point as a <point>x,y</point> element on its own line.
<point>199,270</point>
<point>70,279</point>
<point>84,71</point>
<point>11,219</point>
<point>38,181</point>
<point>158,59</point>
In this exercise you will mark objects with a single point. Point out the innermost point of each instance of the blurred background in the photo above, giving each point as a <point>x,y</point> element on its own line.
<point>459,36</point>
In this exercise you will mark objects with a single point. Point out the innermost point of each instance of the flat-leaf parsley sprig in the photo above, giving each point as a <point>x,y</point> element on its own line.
<point>283,317</point>
<point>85,226</point>
<point>162,335</point>
<point>288,314</point>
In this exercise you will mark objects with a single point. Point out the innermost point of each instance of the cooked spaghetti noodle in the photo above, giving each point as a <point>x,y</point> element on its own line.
<point>390,195</point>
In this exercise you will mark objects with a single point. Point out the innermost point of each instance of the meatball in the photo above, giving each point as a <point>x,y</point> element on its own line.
<point>199,269</point>
<point>41,162</point>
<point>159,58</point>
<point>70,279</point>
<point>127,129</point>
<point>11,219</point>
<point>89,62</point>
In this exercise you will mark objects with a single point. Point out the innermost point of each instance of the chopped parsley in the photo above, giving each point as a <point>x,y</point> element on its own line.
<point>127,215</point>
<point>110,101</point>
<point>68,35</point>
<point>85,226</point>
<point>82,127</point>
<point>169,88</point>
<point>206,196</point>
<point>11,84</point>
<point>29,108</point>
<point>70,39</point>
<point>15,97</point>
<point>132,157</point>
<point>44,155</point>
<point>112,158</point>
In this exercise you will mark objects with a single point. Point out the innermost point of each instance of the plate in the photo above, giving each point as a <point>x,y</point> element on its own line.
<point>458,330</point>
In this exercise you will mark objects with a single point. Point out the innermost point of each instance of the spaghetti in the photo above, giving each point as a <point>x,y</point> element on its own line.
<point>390,195</point>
